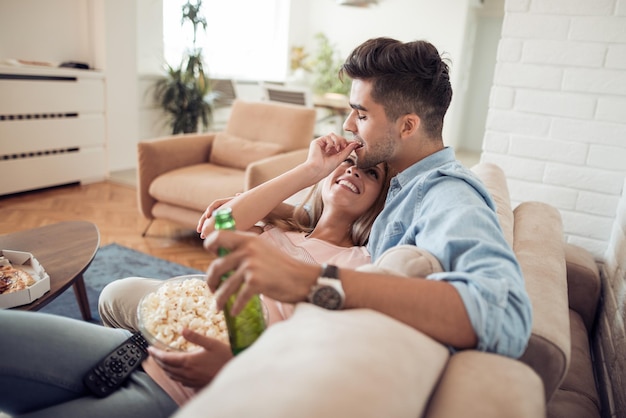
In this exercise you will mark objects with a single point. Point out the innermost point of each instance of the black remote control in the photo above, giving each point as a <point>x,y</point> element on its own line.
<point>111,372</point>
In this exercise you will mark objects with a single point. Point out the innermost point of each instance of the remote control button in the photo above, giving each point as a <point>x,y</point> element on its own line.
<point>113,370</point>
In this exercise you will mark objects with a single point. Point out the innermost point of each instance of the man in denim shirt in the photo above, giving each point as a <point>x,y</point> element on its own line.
<point>400,94</point>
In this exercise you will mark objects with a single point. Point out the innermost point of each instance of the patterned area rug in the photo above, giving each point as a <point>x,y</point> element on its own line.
<point>114,262</point>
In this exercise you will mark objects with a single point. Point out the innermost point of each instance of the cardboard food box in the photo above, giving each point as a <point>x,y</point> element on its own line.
<point>27,262</point>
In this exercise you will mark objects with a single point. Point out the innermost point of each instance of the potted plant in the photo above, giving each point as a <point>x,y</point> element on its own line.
<point>185,92</point>
<point>325,67</point>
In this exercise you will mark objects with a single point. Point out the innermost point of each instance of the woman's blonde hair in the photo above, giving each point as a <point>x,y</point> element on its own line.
<point>308,212</point>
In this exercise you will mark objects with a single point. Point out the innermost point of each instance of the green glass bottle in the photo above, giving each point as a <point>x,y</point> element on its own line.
<point>245,328</point>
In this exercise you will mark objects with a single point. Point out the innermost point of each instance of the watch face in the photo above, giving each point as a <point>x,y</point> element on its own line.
<point>327,297</point>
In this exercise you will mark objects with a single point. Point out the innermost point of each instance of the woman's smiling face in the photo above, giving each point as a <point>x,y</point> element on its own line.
<point>353,189</point>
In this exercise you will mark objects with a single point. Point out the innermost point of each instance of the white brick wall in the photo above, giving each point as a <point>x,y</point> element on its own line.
<point>557,126</point>
<point>557,117</point>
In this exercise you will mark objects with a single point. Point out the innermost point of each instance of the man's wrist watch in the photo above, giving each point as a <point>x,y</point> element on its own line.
<point>327,292</point>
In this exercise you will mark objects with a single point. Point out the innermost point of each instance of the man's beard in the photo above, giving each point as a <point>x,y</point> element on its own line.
<point>382,152</point>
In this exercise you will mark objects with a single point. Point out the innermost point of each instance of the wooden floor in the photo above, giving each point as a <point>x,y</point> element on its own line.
<point>113,208</point>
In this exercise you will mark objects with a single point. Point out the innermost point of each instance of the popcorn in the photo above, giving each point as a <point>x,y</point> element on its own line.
<point>178,304</point>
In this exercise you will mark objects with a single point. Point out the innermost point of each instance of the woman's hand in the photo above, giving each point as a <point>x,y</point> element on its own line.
<point>203,229</point>
<point>197,368</point>
<point>327,152</point>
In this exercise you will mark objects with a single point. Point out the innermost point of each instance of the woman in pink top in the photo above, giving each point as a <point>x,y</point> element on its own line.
<point>331,225</point>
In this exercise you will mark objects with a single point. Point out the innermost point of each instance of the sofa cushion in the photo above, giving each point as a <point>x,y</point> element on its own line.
<point>291,126</point>
<point>232,151</point>
<point>404,260</point>
<point>577,397</point>
<point>196,186</point>
<point>183,216</point>
<point>320,363</point>
<point>583,283</point>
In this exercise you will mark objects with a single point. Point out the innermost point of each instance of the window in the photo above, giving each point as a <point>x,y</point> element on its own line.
<point>244,39</point>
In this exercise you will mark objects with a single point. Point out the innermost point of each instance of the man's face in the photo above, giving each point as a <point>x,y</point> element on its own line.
<point>369,124</point>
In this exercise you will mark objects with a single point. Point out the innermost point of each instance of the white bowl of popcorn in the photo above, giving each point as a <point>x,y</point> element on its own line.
<point>180,302</point>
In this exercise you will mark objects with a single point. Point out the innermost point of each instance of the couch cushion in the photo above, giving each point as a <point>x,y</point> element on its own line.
<point>232,151</point>
<point>196,186</point>
<point>178,214</point>
<point>538,246</point>
<point>320,363</point>
<point>583,283</point>
<point>404,260</point>
<point>566,404</point>
<point>291,126</point>
<point>577,397</point>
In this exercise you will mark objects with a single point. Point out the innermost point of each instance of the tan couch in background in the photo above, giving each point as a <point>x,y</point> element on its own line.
<point>360,363</point>
<point>179,176</point>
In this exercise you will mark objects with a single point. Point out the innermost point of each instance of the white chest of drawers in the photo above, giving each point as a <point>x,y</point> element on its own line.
<point>52,128</point>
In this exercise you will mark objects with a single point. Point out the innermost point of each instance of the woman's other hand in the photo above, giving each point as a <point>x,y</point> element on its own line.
<point>194,369</point>
<point>204,228</point>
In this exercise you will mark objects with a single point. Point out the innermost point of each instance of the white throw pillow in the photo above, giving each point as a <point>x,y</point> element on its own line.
<point>319,363</point>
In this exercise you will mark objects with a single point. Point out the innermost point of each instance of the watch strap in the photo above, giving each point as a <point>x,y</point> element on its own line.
<point>327,292</point>
<point>330,271</point>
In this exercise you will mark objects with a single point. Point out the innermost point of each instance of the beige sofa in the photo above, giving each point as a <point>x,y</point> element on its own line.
<point>359,363</point>
<point>180,175</point>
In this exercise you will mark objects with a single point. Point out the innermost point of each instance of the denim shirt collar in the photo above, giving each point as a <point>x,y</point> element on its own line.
<point>439,158</point>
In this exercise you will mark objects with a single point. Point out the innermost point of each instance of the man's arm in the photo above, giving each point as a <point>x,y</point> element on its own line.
<point>432,307</point>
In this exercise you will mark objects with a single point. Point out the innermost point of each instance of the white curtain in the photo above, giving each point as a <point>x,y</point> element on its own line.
<point>244,39</point>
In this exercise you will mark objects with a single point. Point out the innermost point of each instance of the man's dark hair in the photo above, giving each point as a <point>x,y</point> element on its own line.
<point>406,78</point>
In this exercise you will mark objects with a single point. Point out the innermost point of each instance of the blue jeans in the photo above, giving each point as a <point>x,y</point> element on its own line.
<point>43,359</point>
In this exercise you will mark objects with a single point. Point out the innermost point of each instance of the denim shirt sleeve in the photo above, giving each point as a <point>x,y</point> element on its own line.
<point>481,265</point>
<point>453,222</point>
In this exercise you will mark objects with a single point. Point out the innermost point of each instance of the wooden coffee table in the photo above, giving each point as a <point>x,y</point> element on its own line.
<point>64,250</point>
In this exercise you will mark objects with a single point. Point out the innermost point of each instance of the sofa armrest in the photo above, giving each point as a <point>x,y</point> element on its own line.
<point>266,169</point>
<point>495,180</point>
<point>538,246</point>
<point>158,156</point>
<point>483,385</point>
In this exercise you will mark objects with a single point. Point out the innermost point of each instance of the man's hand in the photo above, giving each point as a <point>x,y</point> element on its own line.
<point>197,368</point>
<point>257,267</point>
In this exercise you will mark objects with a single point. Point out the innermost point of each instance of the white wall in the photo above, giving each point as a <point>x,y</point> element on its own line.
<point>118,19</point>
<point>101,33</point>
<point>557,104</point>
<point>150,64</point>
<point>477,85</point>
<point>556,121</point>
<point>557,126</point>
<point>123,40</point>
<point>443,23</point>
<point>52,31</point>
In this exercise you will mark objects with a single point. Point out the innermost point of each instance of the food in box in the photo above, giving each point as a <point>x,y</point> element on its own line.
<point>28,284</point>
